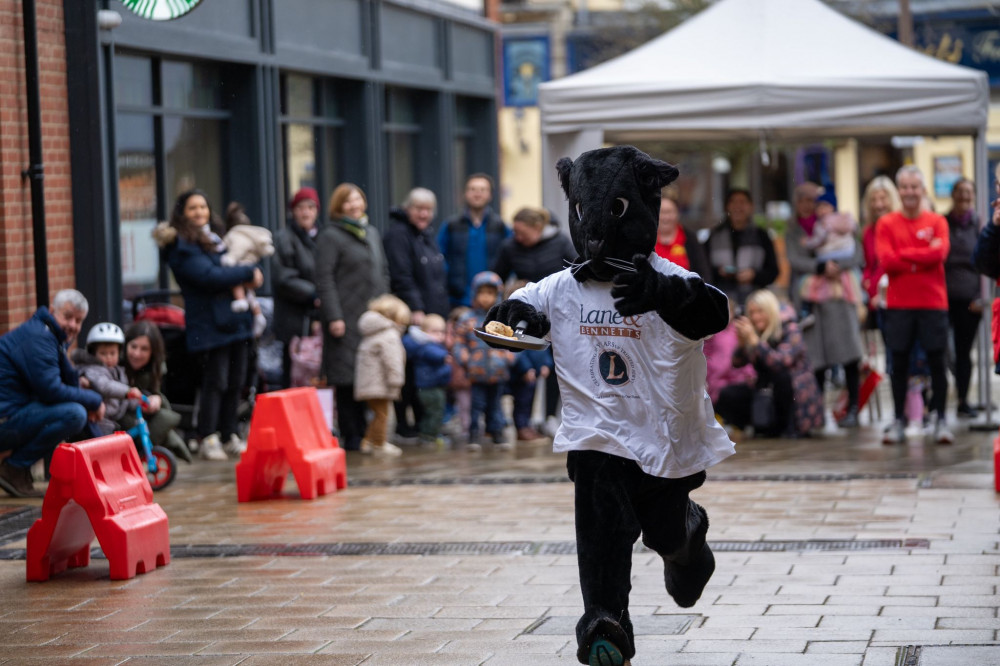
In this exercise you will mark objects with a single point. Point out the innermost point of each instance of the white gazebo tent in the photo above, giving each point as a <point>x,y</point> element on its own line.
<point>784,70</point>
<point>746,69</point>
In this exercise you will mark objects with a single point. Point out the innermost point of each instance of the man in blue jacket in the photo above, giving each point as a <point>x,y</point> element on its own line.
<point>471,239</point>
<point>41,402</point>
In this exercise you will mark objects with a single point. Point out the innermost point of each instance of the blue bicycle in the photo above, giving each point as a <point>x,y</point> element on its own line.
<point>161,465</point>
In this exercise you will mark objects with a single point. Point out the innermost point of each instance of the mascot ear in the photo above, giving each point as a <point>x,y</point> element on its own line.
<point>563,167</point>
<point>655,174</point>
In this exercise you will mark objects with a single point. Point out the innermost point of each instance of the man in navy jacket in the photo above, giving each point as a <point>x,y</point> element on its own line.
<point>41,402</point>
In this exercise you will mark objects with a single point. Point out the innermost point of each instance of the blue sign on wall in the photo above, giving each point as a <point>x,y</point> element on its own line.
<point>525,65</point>
<point>970,42</point>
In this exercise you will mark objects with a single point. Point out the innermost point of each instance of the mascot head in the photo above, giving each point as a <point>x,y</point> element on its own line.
<point>614,206</point>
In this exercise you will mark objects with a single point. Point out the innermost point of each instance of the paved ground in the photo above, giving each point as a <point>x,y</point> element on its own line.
<point>839,551</point>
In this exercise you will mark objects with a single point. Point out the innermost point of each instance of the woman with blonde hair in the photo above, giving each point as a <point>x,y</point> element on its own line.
<point>880,197</point>
<point>351,271</point>
<point>774,346</point>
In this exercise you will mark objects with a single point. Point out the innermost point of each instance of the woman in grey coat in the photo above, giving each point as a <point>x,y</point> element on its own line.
<point>350,271</point>
<point>833,335</point>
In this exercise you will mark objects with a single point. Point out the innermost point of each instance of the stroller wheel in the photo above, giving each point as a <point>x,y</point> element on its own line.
<point>166,468</point>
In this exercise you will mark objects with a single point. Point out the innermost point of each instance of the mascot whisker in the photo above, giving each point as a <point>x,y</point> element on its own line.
<point>637,424</point>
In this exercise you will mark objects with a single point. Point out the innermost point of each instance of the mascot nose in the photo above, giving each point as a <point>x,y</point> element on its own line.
<point>594,247</point>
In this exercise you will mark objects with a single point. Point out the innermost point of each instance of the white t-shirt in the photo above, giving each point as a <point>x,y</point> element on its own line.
<point>630,386</point>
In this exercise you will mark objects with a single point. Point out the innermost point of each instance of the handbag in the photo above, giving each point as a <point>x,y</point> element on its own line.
<point>762,412</point>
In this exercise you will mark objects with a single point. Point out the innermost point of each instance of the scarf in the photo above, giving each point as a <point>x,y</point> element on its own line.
<point>355,227</point>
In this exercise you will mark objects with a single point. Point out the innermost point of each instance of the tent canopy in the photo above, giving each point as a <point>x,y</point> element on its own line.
<point>788,68</point>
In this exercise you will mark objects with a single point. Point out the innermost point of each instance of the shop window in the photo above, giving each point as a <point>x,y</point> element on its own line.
<point>137,202</point>
<point>133,81</point>
<point>193,152</point>
<point>402,130</point>
<point>191,86</point>
<point>169,135</point>
<point>311,134</point>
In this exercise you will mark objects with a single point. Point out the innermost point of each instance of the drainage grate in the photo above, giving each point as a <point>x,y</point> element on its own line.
<point>483,548</point>
<point>14,524</point>
<point>562,478</point>
<point>948,655</point>
<point>908,656</point>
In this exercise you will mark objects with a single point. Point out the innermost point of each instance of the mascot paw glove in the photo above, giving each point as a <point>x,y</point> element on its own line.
<point>512,311</point>
<point>641,291</point>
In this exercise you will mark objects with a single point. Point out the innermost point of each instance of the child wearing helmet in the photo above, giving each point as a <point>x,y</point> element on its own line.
<point>487,368</point>
<point>98,363</point>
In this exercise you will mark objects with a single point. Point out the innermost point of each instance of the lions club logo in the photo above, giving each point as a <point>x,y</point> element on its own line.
<point>613,368</point>
<point>613,372</point>
<point>161,10</point>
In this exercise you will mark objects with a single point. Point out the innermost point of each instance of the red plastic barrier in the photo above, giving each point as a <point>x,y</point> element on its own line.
<point>98,487</point>
<point>996,463</point>
<point>288,432</point>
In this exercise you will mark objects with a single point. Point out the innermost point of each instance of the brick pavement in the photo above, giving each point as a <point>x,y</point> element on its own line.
<point>834,551</point>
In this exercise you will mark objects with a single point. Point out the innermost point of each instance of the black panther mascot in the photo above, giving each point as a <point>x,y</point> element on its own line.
<point>639,428</point>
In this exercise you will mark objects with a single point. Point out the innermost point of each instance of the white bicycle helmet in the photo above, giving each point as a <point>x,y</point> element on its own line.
<point>106,332</point>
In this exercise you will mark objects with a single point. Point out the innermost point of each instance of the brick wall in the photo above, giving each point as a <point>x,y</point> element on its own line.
<point>17,275</point>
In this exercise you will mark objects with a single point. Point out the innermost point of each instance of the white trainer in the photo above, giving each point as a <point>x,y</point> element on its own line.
<point>235,447</point>
<point>388,449</point>
<point>211,448</point>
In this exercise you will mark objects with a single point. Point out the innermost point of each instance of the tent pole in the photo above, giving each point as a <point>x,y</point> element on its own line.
<point>985,344</point>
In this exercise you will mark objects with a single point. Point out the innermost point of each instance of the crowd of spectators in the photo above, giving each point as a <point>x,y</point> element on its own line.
<point>419,293</point>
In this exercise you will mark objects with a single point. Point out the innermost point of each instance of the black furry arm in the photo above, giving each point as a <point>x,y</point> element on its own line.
<point>689,305</point>
<point>512,311</point>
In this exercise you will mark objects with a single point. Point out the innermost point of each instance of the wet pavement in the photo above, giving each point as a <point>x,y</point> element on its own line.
<point>836,550</point>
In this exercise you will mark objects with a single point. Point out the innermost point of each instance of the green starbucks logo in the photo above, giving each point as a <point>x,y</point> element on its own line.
<point>161,10</point>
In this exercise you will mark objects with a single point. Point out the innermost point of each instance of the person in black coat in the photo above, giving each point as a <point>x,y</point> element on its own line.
<point>351,270</point>
<point>417,277</point>
<point>536,250</point>
<point>416,264</point>
<point>740,253</point>
<point>221,336</point>
<point>293,274</point>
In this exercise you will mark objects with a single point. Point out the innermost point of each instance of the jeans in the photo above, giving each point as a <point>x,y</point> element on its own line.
<point>35,430</point>
<point>222,387</point>
<point>524,401</point>
<point>486,401</point>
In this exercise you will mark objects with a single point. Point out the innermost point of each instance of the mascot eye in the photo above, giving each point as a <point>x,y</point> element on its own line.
<point>579,212</point>
<point>619,206</point>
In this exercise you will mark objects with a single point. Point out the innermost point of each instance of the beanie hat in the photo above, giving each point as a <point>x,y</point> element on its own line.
<point>304,194</point>
<point>828,196</point>
<point>486,279</point>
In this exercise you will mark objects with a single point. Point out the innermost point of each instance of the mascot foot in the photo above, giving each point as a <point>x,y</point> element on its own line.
<point>685,582</point>
<point>687,576</point>
<point>604,642</point>
<point>605,653</point>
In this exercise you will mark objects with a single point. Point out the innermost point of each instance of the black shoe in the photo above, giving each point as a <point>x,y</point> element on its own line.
<point>850,419</point>
<point>687,576</point>
<point>967,411</point>
<point>605,653</point>
<point>16,481</point>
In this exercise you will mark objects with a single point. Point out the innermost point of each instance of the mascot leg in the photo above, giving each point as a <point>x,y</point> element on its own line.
<point>606,530</point>
<point>675,527</point>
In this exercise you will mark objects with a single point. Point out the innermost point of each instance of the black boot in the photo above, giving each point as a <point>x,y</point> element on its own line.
<point>604,641</point>
<point>850,419</point>
<point>687,572</point>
